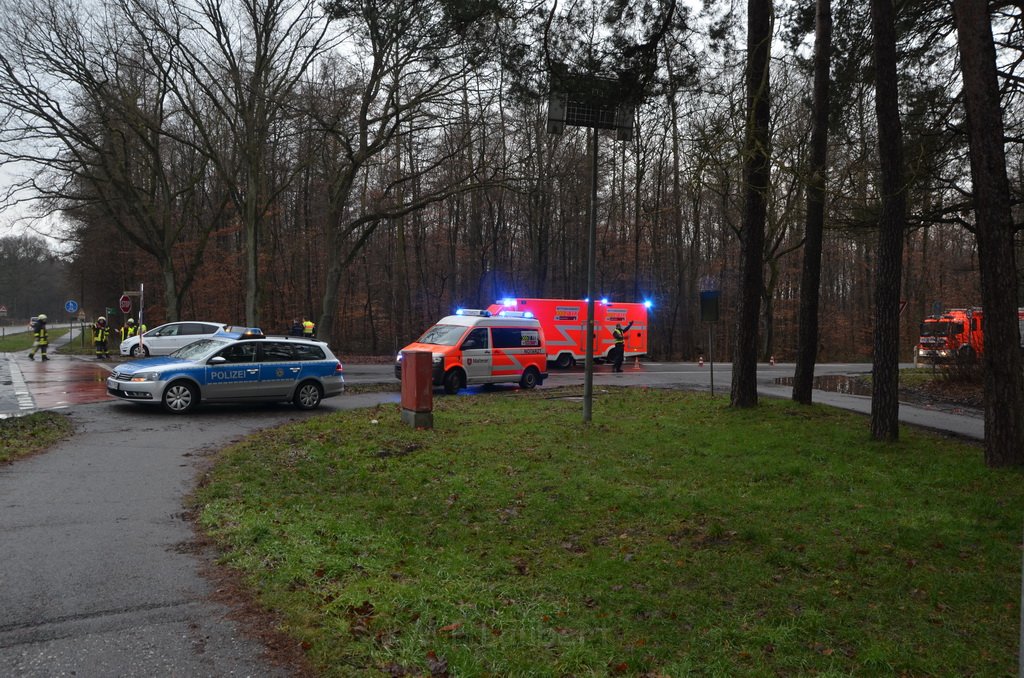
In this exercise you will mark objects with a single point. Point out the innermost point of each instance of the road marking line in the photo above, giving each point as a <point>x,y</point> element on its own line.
<point>21,392</point>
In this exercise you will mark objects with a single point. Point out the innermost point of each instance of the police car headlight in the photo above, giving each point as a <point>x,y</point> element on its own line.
<point>146,376</point>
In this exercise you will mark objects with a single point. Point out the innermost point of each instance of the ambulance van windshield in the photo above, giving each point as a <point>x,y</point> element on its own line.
<point>443,335</point>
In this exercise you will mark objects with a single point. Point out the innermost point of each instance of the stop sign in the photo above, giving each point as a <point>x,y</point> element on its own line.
<point>125,303</point>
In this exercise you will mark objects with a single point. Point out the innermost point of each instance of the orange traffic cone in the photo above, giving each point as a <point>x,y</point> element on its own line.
<point>701,361</point>
<point>772,361</point>
<point>636,363</point>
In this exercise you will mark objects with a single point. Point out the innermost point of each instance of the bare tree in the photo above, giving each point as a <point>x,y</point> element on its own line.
<point>240,63</point>
<point>1004,389</point>
<point>407,81</point>
<point>756,180</point>
<point>885,382</point>
<point>810,281</point>
<point>86,96</point>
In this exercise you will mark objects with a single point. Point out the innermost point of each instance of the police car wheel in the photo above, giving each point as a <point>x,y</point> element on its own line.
<point>180,397</point>
<point>308,395</point>
<point>530,378</point>
<point>453,381</point>
<point>140,351</point>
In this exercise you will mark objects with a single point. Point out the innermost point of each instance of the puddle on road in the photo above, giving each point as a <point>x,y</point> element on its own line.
<point>836,383</point>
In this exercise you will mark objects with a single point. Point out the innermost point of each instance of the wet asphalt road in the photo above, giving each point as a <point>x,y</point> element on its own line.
<point>99,571</point>
<point>100,574</point>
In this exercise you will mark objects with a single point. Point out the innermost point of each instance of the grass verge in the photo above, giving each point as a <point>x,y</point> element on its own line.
<point>22,341</point>
<point>22,436</point>
<point>672,536</point>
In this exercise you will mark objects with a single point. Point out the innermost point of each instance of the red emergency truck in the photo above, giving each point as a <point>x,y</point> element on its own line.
<point>565,326</point>
<point>956,334</point>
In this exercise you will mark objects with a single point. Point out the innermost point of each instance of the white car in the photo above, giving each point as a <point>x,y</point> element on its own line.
<point>168,338</point>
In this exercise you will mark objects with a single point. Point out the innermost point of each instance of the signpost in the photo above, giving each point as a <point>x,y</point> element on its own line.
<point>709,294</point>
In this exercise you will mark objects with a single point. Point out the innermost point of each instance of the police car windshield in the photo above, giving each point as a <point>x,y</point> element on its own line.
<point>443,335</point>
<point>198,349</point>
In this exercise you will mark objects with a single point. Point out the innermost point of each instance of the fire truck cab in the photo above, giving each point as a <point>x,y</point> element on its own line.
<point>956,334</point>
<point>565,326</point>
<point>478,347</point>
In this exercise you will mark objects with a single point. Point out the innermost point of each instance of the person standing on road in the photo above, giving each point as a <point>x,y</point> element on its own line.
<point>296,330</point>
<point>127,330</point>
<point>308,328</point>
<point>100,336</point>
<point>42,340</point>
<point>619,350</point>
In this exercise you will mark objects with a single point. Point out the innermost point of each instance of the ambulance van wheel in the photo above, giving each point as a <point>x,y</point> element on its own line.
<point>453,381</point>
<point>530,378</point>
<point>564,361</point>
<point>180,397</point>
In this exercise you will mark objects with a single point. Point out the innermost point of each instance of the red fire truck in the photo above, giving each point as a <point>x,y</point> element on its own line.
<point>565,326</point>
<point>956,334</point>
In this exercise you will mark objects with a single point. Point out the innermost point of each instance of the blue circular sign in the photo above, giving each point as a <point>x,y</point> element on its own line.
<point>71,306</point>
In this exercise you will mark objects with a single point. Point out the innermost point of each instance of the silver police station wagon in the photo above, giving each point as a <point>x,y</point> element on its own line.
<point>235,365</point>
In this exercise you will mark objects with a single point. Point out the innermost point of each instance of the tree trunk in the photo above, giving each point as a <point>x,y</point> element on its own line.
<point>810,279</point>
<point>756,178</point>
<point>1004,391</point>
<point>885,406</point>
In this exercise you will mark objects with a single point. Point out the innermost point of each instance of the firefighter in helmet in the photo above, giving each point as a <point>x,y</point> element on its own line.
<point>100,336</point>
<point>129,329</point>
<point>42,340</point>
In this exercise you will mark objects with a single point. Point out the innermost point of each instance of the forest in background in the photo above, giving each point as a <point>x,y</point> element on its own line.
<point>376,170</point>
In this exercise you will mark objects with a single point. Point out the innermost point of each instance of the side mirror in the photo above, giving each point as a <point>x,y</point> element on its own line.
<point>218,360</point>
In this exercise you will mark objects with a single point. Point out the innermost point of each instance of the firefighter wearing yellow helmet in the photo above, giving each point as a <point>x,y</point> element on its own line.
<point>42,339</point>
<point>100,336</point>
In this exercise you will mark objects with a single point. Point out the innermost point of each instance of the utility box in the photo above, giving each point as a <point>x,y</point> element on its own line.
<point>417,389</point>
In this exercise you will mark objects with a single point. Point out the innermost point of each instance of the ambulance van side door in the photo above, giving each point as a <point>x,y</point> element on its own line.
<point>476,355</point>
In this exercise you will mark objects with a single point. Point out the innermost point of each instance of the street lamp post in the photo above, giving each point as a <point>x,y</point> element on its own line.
<point>597,103</point>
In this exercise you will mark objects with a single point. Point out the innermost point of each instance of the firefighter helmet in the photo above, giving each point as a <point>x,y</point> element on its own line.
<point>130,321</point>
<point>101,321</point>
<point>42,316</point>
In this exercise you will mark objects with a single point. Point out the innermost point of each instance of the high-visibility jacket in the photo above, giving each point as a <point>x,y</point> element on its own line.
<point>100,333</point>
<point>620,335</point>
<point>308,328</point>
<point>42,339</point>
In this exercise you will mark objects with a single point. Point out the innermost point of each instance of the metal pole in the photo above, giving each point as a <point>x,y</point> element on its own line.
<point>711,355</point>
<point>588,372</point>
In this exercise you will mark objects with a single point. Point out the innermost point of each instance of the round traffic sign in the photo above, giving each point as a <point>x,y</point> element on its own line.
<point>70,305</point>
<point>125,304</point>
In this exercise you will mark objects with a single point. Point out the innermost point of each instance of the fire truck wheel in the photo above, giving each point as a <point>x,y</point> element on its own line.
<point>564,361</point>
<point>453,381</point>
<point>530,378</point>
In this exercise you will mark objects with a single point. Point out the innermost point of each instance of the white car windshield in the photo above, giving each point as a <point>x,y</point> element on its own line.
<point>199,349</point>
<point>443,335</point>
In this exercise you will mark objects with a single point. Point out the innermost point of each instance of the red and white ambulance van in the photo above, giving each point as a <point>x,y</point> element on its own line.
<point>480,347</point>
<point>565,326</point>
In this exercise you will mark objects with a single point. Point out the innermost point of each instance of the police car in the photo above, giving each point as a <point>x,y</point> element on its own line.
<point>234,365</point>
